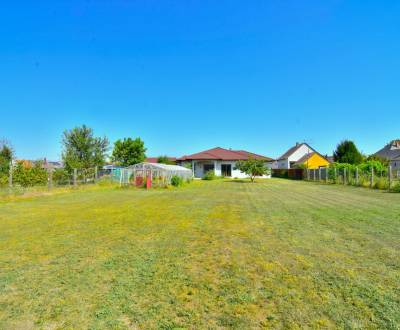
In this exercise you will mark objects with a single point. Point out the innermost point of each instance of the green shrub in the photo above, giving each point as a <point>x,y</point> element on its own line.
<point>3,180</point>
<point>396,188</point>
<point>210,175</point>
<point>29,176</point>
<point>61,176</point>
<point>280,173</point>
<point>176,181</point>
<point>381,183</point>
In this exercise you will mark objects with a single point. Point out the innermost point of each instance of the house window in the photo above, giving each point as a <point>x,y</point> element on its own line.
<point>208,167</point>
<point>226,170</point>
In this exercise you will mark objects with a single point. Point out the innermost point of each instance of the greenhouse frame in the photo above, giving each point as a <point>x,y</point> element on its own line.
<point>152,174</point>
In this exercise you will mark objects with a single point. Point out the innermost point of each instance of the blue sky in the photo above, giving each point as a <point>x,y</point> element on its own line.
<point>190,75</point>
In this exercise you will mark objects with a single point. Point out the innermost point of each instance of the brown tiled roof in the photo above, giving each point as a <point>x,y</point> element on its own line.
<point>223,154</point>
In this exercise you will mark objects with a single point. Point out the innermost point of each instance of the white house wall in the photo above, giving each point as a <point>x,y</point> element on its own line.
<point>199,172</point>
<point>294,157</point>
<point>299,153</point>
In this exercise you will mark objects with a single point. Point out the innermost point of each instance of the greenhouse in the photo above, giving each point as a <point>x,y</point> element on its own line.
<point>152,174</point>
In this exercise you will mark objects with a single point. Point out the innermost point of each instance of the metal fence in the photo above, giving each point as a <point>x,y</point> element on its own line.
<point>51,177</point>
<point>385,179</point>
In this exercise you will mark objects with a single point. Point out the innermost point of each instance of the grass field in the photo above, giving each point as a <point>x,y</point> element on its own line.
<point>220,254</point>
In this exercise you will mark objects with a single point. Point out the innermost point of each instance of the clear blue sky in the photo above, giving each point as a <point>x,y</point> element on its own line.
<point>190,75</point>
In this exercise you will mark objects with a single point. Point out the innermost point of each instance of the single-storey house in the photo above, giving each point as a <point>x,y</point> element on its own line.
<point>391,152</point>
<point>221,161</point>
<point>301,155</point>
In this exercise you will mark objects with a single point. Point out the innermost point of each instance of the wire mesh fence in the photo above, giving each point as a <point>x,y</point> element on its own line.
<point>21,179</point>
<point>385,179</point>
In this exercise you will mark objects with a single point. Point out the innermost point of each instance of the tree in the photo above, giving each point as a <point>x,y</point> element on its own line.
<point>165,160</point>
<point>347,152</point>
<point>252,167</point>
<point>129,152</point>
<point>6,156</point>
<point>82,150</point>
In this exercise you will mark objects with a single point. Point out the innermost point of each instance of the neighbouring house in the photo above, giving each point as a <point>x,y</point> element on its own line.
<point>391,152</point>
<point>221,161</point>
<point>312,161</point>
<point>301,155</point>
<point>395,163</point>
<point>154,160</point>
<point>52,164</point>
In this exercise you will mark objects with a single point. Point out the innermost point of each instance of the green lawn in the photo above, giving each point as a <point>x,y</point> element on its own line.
<point>218,254</point>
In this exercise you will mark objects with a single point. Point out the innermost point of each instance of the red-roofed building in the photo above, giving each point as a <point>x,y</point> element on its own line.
<point>221,161</point>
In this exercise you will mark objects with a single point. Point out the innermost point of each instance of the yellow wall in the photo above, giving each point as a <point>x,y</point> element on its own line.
<point>316,161</point>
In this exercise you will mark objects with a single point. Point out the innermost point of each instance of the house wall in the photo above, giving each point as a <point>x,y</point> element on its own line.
<point>300,152</point>
<point>395,163</point>
<point>199,168</point>
<point>316,161</point>
<point>282,164</point>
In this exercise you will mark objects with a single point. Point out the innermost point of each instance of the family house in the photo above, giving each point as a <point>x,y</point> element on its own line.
<point>391,152</point>
<point>221,161</point>
<point>301,155</point>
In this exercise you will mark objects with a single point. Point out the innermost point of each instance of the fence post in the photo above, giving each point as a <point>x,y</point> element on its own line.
<point>344,176</point>
<point>75,177</point>
<point>326,174</point>
<point>372,177</point>
<point>390,176</point>
<point>10,175</point>
<point>49,177</point>
<point>319,174</point>
<point>95,174</point>
<point>357,176</point>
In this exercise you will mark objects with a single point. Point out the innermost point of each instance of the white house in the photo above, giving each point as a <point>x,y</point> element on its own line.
<point>221,161</point>
<point>293,155</point>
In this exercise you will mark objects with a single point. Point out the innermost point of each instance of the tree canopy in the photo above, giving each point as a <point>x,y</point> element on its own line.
<point>82,150</point>
<point>347,152</point>
<point>165,160</point>
<point>252,167</point>
<point>6,156</point>
<point>129,152</point>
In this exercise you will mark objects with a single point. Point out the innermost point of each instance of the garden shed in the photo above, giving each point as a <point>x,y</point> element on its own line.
<point>152,174</point>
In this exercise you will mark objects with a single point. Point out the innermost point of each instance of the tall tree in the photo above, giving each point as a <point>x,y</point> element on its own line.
<point>347,152</point>
<point>81,149</point>
<point>129,152</point>
<point>6,156</point>
<point>165,160</point>
<point>252,167</point>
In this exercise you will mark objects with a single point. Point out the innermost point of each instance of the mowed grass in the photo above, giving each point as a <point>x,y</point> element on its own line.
<point>221,254</point>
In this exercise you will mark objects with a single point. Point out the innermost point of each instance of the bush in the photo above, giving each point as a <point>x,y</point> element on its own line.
<point>176,181</point>
<point>29,176</point>
<point>61,176</point>
<point>381,183</point>
<point>3,180</point>
<point>210,175</point>
<point>280,173</point>
<point>396,188</point>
